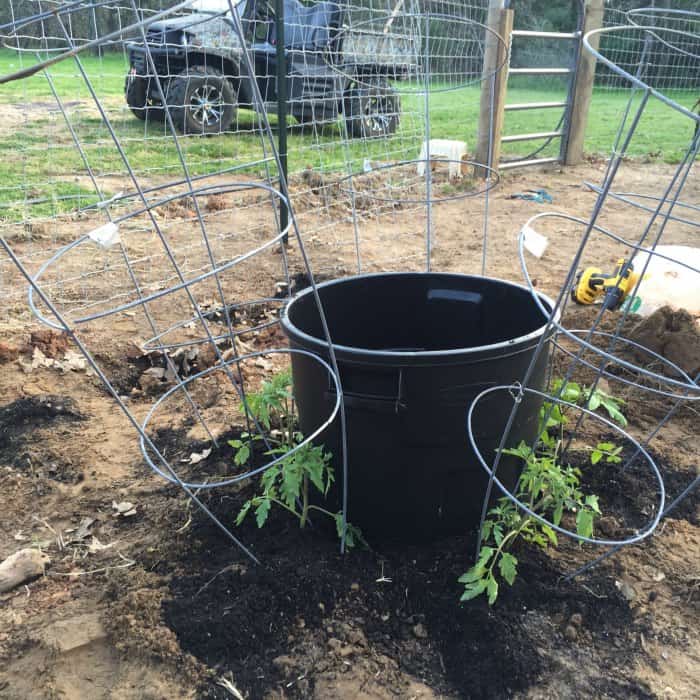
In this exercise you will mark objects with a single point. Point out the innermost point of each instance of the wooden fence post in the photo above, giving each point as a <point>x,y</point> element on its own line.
<point>493,87</point>
<point>583,87</point>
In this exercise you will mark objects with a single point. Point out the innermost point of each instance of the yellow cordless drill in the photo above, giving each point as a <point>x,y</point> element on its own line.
<point>592,284</point>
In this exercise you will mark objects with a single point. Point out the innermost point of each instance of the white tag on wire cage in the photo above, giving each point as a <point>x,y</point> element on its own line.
<point>534,242</point>
<point>105,236</point>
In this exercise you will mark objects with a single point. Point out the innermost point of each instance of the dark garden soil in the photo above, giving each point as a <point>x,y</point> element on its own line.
<point>308,615</point>
<point>308,612</point>
<point>629,491</point>
<point>22,421</point>
<point>25,415</point>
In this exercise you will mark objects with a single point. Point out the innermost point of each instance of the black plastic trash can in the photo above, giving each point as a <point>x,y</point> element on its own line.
<point>414,349</point>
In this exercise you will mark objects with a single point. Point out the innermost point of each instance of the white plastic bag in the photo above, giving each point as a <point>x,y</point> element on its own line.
<point>667,283</point>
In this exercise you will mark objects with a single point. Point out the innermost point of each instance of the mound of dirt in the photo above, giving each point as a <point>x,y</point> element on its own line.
<point>311,623</point>
<point>673,335</point>
<point>22,425</point>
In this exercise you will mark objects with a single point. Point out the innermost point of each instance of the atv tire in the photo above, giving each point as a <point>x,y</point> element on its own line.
<point>372,110</point>
<point>202,101</point>
<point>136,90</point>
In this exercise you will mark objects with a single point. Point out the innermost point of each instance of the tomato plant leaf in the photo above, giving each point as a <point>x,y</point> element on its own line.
<point>551,534</point>
<point>242,455</point>
<point>492,589</point>
<point>243,512</point>
<point>484,555</point>
<point>262,511</point>
<point>571,391</point>
<point>584,523</point>
<point>507,565</point>
<point>615,413</point>
<point>269,477</point>
<point>315,467</point>
<point>290,488</point>
<point>353,534</point>
<point>498,534</point>
<point>473,590</point>
<point>592,502</point>
<point>474,574</point>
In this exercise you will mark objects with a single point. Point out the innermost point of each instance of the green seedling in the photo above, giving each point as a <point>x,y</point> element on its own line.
<point>607,451</point>
<point>287,483</point>
<point>550,490</point>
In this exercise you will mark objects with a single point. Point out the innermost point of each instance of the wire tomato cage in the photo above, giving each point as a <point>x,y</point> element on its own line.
<point>202,261</point>
<point>176,239</point>
<point>638,55</point>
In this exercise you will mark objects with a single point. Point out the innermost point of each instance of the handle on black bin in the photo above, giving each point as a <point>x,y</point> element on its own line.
<point>369,402</point>
<point>372,403</point>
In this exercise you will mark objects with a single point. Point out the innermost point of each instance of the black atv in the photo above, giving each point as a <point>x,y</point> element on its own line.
<point>203,79</point>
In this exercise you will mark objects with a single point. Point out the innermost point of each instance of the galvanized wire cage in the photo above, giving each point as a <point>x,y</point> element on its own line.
<point>638,57</point>
<point>153,204</point>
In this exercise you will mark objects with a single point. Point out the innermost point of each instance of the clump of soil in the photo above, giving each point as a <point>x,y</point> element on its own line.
<point>216,202</point>
<point>52,343</point>
<point>673,335</point>
<point>184,207</point>
<point>24,415</point>
<point>8,352</point>
<point>124,367</point>
<point>20,422</point>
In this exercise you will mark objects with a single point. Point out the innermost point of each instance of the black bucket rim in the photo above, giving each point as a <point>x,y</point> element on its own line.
<point>293,332</point>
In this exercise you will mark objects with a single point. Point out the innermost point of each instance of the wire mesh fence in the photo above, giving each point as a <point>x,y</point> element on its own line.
<point>673,72</point>
<point>542,69</point>
<point>46,194</point>
<point>56,190</point>
<point>610,93</point>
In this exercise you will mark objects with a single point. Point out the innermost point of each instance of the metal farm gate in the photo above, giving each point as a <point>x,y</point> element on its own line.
<point>572,42</point>
<point>535,58</point>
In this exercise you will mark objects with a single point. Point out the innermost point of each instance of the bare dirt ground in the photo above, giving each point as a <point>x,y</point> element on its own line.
<point>157,604</point>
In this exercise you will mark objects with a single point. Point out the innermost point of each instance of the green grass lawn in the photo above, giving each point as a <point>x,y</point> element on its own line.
<point>104,70</point>
<point>38,155</point>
